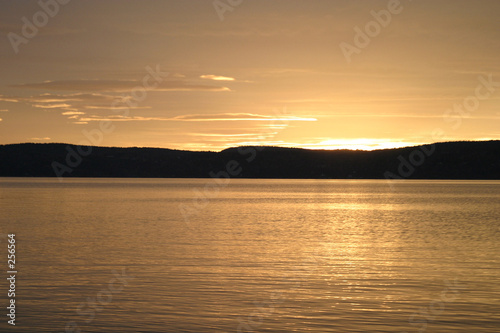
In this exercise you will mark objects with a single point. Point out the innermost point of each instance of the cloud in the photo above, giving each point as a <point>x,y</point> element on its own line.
<point>1,119</point>
<point>51,106</point>
<point>4,110</point>
<point>75,104</point>
<point>305,101</point>
<point>9,99</point>
<point>61,98</point>
<point>116,86</point>
<point>228,135</point>
<point>198,117</point>
<point>109,107</point>
<point>217,78</point>
<point>80,85</point>
<point>55,98</point>
<point>40,139</point>
<point>233,139</point>
<point>72,113</point>
<point>238,117</point>
<point>121,118</point>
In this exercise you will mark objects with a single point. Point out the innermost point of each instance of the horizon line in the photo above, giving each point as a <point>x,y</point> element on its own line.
<point>266,146</point>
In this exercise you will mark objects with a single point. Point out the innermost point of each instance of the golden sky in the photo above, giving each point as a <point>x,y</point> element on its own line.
<point>207,75</point>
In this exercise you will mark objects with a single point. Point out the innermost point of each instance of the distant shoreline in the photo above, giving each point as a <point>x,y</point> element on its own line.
<point>464,160</point>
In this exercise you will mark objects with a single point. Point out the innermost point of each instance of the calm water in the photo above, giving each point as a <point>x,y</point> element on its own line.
<point>256,256</point>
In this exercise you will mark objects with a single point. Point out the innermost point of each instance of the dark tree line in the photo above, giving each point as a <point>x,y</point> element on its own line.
<point>451,160</point>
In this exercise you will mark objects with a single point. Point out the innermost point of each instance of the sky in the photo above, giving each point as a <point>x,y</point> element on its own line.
<point>208,75</point>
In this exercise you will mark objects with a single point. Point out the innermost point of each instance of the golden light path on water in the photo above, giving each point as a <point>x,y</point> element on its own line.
<point>259,255</point>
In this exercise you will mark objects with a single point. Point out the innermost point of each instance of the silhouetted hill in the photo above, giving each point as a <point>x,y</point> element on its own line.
<point>450,160</point>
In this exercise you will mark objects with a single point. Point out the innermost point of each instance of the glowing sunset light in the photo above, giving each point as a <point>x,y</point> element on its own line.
<point>349,75</point>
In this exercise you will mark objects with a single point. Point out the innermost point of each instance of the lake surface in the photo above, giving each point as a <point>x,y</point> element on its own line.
<point>193,255</point>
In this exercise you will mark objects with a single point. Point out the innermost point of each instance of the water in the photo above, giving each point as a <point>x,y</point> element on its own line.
<point>148,255</point>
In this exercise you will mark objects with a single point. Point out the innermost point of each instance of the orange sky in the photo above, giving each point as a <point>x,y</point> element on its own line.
<point>206,75</point>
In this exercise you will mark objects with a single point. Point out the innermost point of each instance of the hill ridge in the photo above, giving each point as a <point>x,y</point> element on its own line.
<point>445,160</point>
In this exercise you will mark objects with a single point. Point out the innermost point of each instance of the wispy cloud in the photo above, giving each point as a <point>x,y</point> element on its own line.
<point>197,117</point>
<point>79,97</point>
<point>226,135</point>
<point>305,101</point>
<point>61,98</point>
<point>51,106</point>
<point>73,105</point>
<point>72,113</point>
<point>120,118</point>
<point>217,78</point>
<point>4,110</point>
<point>40,139</point>
<point>233,140</point>
<point>9,99</point>
<point>115,86</point>
<point>96,95</point>
<point>110,107</point>
<point>238,117</point>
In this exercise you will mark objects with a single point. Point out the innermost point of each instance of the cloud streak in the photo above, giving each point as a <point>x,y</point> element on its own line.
<point>115,86</point>
<point>72,105</point>
<point>40,139</point>
<point>217,78</point>
<point>9,99</point>
<point>79,97</point>
<point>52,106</point>
<point>238,117</point>
<point>198,117</point>
<point>72,113</point>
